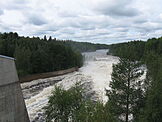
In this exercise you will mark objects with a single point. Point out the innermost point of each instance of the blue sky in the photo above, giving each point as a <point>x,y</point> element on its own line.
<point>97,21</point>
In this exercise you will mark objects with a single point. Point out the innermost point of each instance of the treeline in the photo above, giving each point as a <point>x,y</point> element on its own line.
<point>150,53</point>
<point>35,55</point>
<point>85,46</point>
<point>133,50</point>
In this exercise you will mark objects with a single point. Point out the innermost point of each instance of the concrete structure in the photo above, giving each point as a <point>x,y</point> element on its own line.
<point>12,105</point>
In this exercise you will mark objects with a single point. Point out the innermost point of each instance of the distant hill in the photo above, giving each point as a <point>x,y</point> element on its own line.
<point>85,46</point>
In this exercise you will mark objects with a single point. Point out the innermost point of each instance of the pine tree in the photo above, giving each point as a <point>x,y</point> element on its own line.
<point>50,38</point>
<point>126,90</point>
<point>45,38</point>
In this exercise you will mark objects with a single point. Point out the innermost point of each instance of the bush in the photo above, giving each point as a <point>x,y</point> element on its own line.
<point>71,105</point>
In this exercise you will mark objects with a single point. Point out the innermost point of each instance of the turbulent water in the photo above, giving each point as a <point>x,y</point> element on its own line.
<point>95,76</point>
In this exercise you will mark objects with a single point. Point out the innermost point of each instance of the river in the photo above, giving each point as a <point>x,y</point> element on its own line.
<point>95,74</point>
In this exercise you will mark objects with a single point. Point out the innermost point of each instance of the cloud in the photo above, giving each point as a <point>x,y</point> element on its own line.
<point>99,21</point>
<point>69,14</point>
<point>140,21</point>
<point>36,20</point>
<point>1,12</point>
<point>160,16</point>
<point>13,4</point>
<point>117,11</point>
<point>117,8</point>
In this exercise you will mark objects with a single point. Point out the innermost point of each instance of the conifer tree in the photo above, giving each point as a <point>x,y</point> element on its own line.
<point>45,38</point>
<point>126,91</point>
<point>50,38</point>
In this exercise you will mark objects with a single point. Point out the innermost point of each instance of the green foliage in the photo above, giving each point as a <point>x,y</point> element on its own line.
<point>72,105</point>
<point>63,104</point>
<point>35,55</point>
<point>153,108</point>
<point>22,55</point>
<point>126,94</point>
<point>132,50</point>
<point>93,112</point>
<point>150,53</point>
<point>85,46</point>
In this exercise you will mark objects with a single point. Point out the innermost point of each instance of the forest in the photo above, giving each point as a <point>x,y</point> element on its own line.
<point>36,55</point>
<point>150,54</point>
<point>85,46</point>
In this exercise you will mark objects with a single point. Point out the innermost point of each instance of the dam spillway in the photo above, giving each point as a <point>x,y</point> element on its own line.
<point>12,105</point>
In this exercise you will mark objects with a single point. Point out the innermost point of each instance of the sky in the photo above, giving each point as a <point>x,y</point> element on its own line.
<point>97,21</point>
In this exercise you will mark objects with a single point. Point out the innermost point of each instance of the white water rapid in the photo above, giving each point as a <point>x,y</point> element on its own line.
<point>96,72</point>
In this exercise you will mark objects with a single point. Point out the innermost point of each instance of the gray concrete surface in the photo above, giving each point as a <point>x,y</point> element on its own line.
<point>12,105</point>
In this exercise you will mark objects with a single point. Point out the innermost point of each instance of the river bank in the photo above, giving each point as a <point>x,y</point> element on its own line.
<point>95,76</point>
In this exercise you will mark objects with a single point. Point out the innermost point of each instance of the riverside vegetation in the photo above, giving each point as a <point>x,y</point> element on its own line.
<point>150,53</point>
<point>125,99</point>
<point>131,99</point>
<point>35,55</point>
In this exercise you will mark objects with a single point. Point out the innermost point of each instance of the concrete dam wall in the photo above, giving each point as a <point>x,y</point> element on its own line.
<point>12,105</point>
